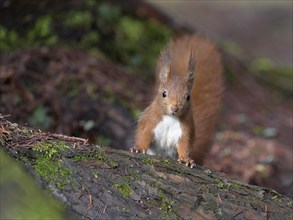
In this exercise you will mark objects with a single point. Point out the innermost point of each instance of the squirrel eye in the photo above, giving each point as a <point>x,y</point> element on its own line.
<point>164,94</point>
<point>188,97</point>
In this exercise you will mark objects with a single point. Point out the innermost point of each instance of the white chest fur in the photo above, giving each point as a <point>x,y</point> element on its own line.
<point>166,136</point>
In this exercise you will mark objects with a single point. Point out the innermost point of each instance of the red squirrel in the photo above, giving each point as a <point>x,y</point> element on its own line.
<point>181,120</point>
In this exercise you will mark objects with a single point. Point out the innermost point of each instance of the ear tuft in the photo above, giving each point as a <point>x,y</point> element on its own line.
<point>165,56</point>
<point>191,62</point>
<point>165,61</point>
<point>191,68</point>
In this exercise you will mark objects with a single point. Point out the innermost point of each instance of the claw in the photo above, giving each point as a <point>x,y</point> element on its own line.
<point>192,165</point>
<point>187,162</point>
<point>137,150</point>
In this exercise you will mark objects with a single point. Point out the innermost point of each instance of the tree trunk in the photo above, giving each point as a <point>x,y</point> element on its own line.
<point>104,183</point>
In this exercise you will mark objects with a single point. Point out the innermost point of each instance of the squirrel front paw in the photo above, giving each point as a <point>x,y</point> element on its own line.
<point>137,150</point>
<point>187,161</point>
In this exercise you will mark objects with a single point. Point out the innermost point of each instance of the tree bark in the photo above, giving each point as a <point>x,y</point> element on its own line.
<point>103,183</point>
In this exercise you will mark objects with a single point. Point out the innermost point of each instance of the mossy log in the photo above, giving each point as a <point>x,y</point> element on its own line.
<point>103,183</point>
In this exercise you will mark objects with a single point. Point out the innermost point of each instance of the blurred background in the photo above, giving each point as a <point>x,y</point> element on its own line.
<point>86,69</point>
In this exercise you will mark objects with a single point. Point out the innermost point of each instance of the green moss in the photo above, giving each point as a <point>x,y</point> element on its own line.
<point>148,160</point>
<point>123,188</point>
<point>166,162</point>
<point>100,156</point>
<point>228,185</point>
<point>52,171</point>
<point>166,206</point>
<point>166,203</point>
<point>237,185</point>
<point>219,183</point>
<point>48,163</point>
<point>50,149</point>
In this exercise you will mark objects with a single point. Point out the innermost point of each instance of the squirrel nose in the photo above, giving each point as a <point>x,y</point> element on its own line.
<point>174,108</point>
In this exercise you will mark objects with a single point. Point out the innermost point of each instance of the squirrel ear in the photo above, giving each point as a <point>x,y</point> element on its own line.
<point>190,79</point>
<point>191,68</point>
<point>165,61</point>
<point>191,62</point>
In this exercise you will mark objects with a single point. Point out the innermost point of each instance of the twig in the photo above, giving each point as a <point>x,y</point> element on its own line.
<point>238,213</point>
<point>67,138</point>
<point>220,199</point>
<point>90,203</point>
<point>104,211</point>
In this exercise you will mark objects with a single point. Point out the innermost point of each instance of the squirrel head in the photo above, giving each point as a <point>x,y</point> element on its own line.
<point>176,80</point>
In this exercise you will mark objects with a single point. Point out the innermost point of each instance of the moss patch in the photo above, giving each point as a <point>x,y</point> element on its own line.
<point>148,160</point>
<point>166,204</point>
<point>123,188</point>
<point>100,156</point>
<point>48,163</point>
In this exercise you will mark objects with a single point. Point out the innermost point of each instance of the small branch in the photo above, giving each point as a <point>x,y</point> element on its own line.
<point>68,139</point>
<point>220,199</point>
